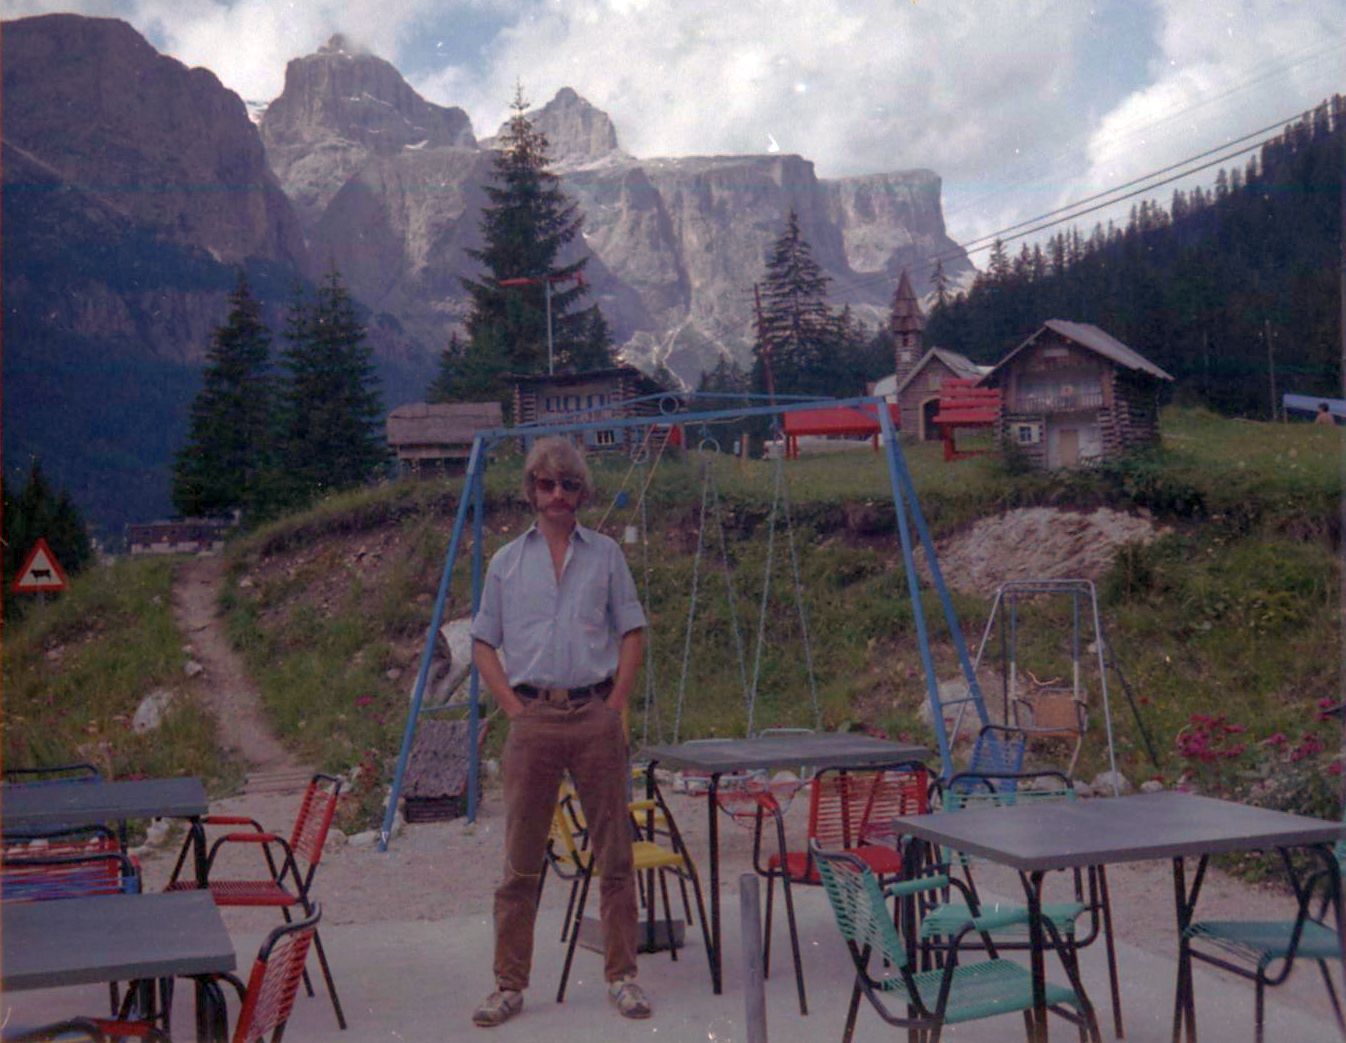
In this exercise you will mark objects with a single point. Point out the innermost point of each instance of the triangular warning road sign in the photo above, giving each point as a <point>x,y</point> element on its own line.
<point>41,572</point>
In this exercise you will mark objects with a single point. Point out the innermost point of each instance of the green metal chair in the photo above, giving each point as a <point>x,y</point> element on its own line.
<point>1088,901</point>
<point>953,993</point>
<point>1264,951</point>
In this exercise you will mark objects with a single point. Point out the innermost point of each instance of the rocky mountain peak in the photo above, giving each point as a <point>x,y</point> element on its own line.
<point>341,44</point>
<point>341,106</point>
<point>578,132</point>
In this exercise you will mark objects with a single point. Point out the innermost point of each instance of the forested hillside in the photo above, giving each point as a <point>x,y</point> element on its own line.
<point>1219,287</point>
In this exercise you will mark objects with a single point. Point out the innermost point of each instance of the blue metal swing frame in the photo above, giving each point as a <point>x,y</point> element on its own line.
<point>472,501</point>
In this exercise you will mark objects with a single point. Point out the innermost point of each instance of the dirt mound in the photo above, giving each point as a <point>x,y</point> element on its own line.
<point>1039,543</point>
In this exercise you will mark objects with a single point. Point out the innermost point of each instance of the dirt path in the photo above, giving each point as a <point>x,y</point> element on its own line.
<point>233,697</point>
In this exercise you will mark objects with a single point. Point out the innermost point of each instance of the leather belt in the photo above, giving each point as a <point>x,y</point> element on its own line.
<point>566,696</point>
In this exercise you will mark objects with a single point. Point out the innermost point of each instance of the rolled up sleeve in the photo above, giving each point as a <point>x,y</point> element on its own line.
<point>623,601</point>
<point>488,624</point>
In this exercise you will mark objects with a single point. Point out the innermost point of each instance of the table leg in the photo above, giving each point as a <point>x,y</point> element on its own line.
<point>712,811</point>
<point>1032,885</point>
<point>1184,901</point>
<point>212,1016</point>
<point>1329,859</point>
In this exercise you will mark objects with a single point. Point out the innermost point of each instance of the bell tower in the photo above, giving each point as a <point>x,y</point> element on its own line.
<point>907,325</point>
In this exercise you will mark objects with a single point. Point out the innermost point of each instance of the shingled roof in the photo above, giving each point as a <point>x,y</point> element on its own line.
<point>1094,339</point>
<point>441,423</point>
<point>961,365</point>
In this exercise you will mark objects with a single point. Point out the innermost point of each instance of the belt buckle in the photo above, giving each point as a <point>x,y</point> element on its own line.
<point>557,696</point>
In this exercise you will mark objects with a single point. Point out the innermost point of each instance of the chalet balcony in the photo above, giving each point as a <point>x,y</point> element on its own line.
<point>1056,402</point>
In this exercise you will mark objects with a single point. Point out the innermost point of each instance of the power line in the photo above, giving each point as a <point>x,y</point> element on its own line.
<point>1134,181</point>
<point>1254,74</point>
<point>1110,202</point>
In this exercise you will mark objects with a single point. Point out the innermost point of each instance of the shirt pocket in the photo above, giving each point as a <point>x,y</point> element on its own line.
<point>591,607</point>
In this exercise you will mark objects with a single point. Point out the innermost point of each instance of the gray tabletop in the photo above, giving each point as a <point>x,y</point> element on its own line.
<point>817,751</point>
<point>111,938</point>
<point>95,803</point>
<point>1058,834</point>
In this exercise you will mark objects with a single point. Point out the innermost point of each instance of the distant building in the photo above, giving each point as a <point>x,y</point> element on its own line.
<point>181,536</point>
<point>439,434</point>
<point>917,394</point>
<point>597,394</point>
<point>1072,393</point>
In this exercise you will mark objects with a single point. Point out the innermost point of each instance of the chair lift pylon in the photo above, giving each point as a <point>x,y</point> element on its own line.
<point>471,504</point>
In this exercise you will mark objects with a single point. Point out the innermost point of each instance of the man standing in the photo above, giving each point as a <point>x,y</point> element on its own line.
<point>558,641</point>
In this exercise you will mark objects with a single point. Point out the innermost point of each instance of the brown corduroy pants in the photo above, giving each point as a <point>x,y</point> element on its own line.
<point>544,741</point>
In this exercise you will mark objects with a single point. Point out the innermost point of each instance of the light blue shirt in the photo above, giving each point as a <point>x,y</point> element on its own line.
<point>558,635</point>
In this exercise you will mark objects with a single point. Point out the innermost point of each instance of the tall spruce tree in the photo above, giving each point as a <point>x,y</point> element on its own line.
<point>231,438</point>
<point>798,334</point>
<point>330,407</point>
<point>526,226</point>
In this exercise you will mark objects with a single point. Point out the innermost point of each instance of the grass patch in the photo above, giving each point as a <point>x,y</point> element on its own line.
<point>77,667</point>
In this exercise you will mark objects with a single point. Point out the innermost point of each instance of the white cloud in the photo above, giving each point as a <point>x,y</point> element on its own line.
<point>1220,73</point>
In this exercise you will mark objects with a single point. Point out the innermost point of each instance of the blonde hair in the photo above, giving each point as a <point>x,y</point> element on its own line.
<point>557,458</point>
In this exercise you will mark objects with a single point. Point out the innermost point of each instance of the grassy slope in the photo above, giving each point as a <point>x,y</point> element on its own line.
<point>1235,614</point>
<point>77,667</point>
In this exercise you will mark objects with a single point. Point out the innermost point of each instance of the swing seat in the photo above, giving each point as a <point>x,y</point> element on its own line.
<point>1053,714</point>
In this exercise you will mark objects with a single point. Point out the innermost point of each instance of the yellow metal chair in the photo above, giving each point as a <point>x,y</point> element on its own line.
<point>569,856</point>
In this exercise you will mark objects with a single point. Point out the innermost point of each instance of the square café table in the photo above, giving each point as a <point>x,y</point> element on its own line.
<point>97,803</point>
<point>111,938</point>
<point>716,758</point>
<point>1035,838</point>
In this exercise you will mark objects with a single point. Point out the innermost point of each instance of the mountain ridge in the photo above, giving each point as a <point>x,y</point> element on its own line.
<point>136,187</point>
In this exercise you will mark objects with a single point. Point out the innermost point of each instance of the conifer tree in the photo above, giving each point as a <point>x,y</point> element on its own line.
<point>798,336</point>
<point>230,441</point>
<point>525,228</point>
<point>330,408</point>
<point>441,389</point>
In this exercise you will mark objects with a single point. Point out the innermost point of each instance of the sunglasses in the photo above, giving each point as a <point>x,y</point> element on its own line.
<point>547,486</point>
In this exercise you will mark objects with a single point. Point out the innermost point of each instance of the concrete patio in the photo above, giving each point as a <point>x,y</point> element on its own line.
<point>417,982</point>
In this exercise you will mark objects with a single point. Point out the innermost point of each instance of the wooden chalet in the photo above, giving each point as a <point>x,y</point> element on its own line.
<point>439,434</point>
<point>1071,394</point>
<point>597,394</point>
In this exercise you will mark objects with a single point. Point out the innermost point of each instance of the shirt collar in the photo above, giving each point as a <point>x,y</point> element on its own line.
<point>580,532</point>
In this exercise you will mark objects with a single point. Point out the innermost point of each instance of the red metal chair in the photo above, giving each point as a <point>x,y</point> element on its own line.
<point>849,811</point>
<point>288,885</point>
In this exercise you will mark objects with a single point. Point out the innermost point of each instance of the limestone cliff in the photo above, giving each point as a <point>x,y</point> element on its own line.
<point>676,243</point>
<point>340,108</point>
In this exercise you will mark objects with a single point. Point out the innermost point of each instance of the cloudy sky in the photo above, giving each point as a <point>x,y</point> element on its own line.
<point>1020,105</point>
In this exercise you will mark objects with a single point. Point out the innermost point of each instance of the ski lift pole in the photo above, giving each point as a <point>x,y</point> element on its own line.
<point>475,464</point>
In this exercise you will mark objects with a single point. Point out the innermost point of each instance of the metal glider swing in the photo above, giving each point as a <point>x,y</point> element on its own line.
<point>911,524</point>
